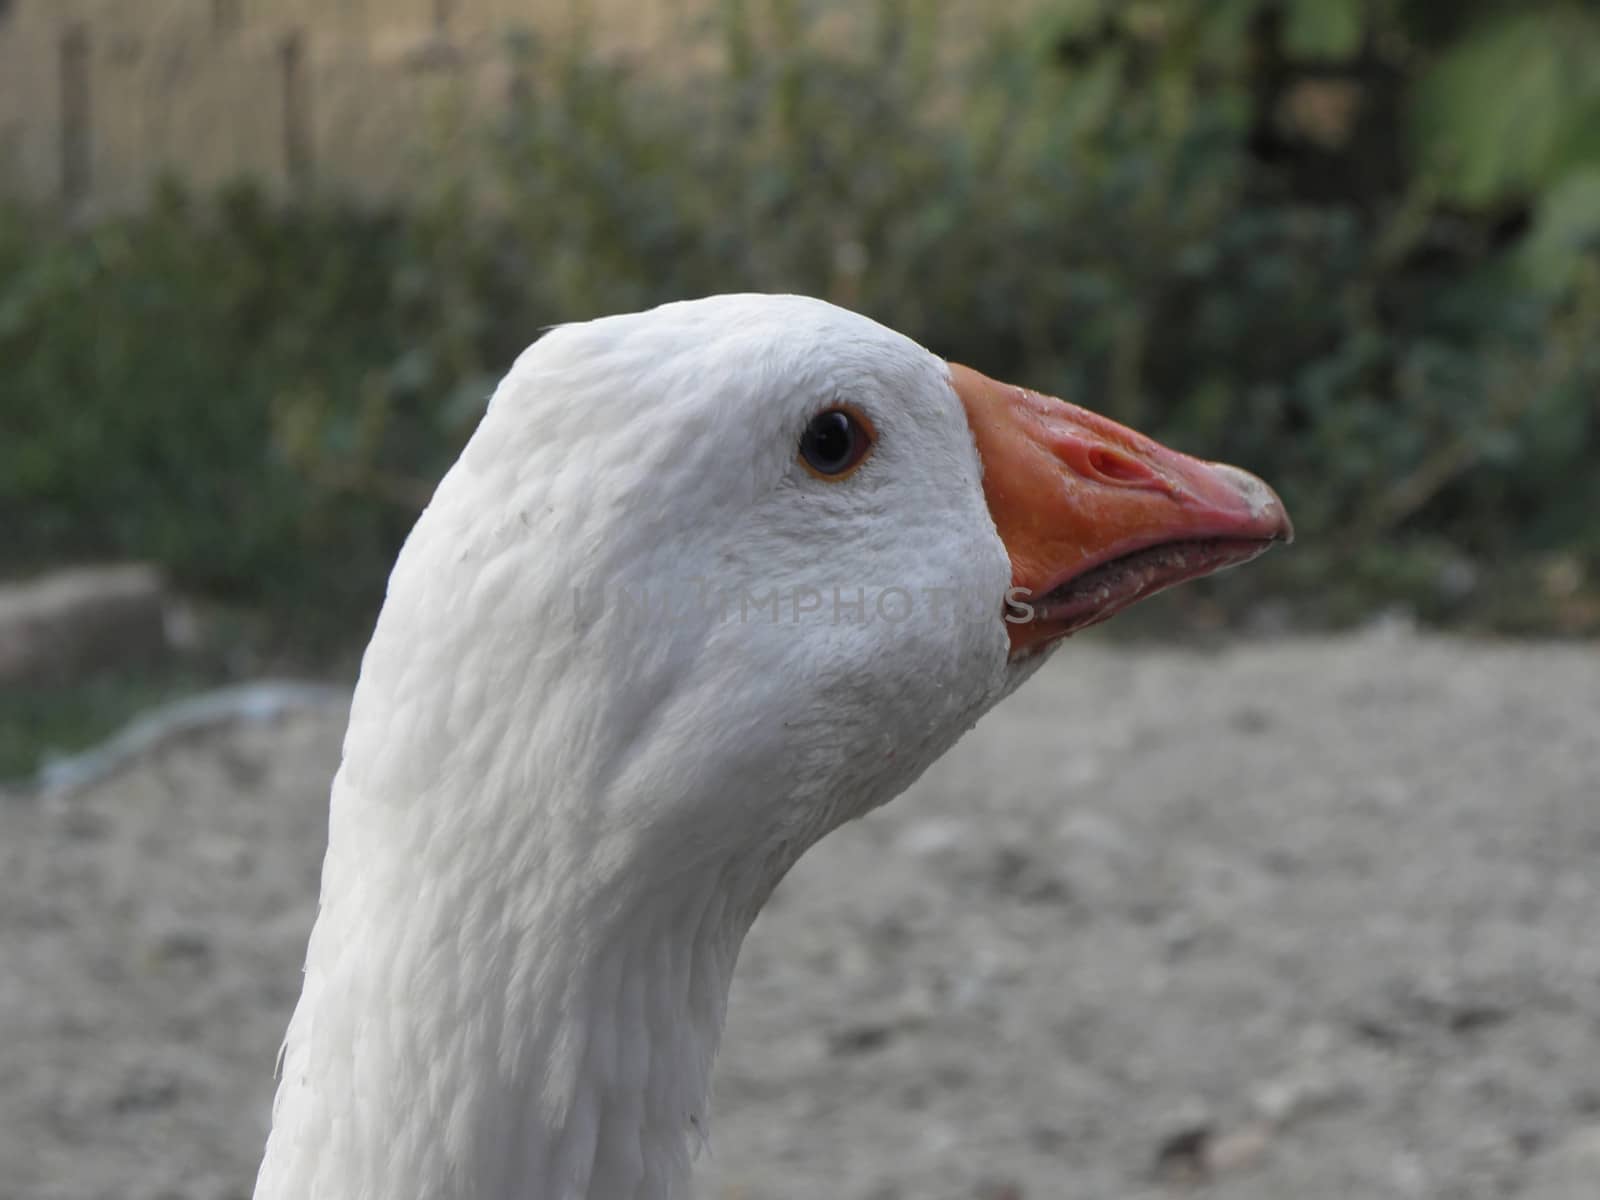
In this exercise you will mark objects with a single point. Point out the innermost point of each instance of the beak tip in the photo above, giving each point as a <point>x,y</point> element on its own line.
<point>1285,525</point>
<point>1267,510</point>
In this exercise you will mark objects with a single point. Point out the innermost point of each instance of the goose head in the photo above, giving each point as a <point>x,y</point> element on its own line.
<point>706,582</point>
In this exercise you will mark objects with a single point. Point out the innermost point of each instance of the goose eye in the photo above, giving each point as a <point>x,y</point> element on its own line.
<point>834,443</point>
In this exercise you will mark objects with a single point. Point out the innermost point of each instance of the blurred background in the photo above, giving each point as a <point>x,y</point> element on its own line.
<point>262,262</point>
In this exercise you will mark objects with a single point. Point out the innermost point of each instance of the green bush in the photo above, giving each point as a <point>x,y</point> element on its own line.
<point>1249,227</point>
<point>167,375</point>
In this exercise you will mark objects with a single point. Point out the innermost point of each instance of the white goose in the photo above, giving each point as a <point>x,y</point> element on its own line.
<point>562,802</point>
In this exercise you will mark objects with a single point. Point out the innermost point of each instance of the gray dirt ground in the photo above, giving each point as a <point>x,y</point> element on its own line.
<point>1309,919</point>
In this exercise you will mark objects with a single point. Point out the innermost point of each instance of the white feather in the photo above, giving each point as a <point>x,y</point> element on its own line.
<point>555,820</point>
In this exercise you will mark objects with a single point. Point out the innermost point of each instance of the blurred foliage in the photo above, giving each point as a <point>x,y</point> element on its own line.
<point>1351,244</point>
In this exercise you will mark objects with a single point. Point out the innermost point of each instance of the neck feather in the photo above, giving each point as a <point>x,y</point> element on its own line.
<point>478,1021</point>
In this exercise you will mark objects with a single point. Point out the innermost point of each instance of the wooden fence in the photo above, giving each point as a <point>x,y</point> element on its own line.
<point>99,99</point>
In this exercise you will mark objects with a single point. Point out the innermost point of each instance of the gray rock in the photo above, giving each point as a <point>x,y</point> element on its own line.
<point>61,625</point>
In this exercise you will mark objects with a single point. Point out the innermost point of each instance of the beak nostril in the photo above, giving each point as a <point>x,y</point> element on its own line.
<point>1118,468</point>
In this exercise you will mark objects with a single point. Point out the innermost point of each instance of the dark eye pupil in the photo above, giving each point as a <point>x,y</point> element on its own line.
<point>829,442</point>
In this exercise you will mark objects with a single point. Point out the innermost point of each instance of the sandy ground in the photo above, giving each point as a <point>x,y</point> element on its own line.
<point>1314,918</point>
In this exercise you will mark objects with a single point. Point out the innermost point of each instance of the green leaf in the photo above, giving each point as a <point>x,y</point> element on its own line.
<point>1566,226</point>
<point>1503,111</point>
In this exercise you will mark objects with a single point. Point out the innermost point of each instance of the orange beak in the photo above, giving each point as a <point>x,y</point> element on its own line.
<point>1095,516</point>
